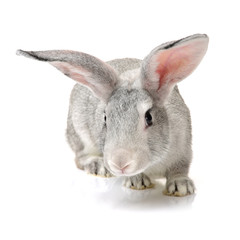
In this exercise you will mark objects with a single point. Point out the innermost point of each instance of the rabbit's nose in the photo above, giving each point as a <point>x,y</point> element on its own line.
<point>120,167</point>
<point>122,162</point>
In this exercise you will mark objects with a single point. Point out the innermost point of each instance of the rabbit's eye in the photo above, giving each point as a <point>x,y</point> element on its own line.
<point>105,117</point>
<point>148,118</point>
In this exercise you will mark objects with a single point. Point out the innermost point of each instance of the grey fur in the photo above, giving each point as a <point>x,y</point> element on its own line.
<point>106,126</point>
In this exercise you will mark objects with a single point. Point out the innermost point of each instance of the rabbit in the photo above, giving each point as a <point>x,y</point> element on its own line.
<point>126,116</point>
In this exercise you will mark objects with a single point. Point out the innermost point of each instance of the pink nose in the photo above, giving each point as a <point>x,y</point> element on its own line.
<point>120,167</point>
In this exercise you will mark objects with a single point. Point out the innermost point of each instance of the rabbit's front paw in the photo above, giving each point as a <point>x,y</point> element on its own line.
<point>138,182</point>
<point>96,167</point>
<point>179,186</point>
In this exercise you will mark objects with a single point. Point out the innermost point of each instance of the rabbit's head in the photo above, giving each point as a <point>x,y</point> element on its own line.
<point>135,130</point>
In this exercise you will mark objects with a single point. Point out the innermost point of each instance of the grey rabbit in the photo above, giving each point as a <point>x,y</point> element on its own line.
<point>127,117</point>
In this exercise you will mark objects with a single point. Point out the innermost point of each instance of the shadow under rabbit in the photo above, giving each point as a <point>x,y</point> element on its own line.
<point>110,192</point>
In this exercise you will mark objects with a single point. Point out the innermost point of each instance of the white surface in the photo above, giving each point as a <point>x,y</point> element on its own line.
<point>43,195</point>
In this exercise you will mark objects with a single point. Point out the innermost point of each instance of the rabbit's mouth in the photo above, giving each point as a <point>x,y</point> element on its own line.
<point>124,171</point>
<point>125,163</point>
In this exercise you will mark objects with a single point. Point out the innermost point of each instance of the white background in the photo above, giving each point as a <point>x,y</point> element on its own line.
<point>42,194</point>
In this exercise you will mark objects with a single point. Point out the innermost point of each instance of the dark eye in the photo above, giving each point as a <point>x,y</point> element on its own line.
<point>148,118</point>
<point>105,118</point>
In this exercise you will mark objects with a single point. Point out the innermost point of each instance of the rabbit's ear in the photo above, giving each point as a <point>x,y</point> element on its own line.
<point>170,63</point>
<point>83,68</point>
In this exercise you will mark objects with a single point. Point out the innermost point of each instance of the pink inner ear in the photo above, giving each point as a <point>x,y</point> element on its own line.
<point>76,73</point>
<point>80,75</point>
<point>177,63</point>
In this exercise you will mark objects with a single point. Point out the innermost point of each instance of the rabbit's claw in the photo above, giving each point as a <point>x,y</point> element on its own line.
<point>138,182</point>
<point>179,187</point>
<point>96,167</point>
